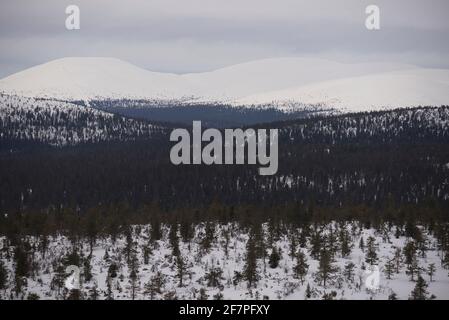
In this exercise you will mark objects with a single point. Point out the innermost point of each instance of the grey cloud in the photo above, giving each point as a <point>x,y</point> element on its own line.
<point>197,35</point>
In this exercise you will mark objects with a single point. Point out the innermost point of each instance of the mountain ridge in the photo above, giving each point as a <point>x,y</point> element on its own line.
<point>276,81</point>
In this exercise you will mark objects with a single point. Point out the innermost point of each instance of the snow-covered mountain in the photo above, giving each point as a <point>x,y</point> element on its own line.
<point>92,78</point>
<point>60,123</point>
<point>277,82</point>
<point>403,88</point>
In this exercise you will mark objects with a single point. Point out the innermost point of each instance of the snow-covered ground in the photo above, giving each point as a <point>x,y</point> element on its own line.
<point>228,252</point>
<point>404,88</point>
<point>62,123</point>
<point>277,82</point>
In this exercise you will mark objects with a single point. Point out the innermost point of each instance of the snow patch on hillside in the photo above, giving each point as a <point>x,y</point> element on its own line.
<point>404,88</point>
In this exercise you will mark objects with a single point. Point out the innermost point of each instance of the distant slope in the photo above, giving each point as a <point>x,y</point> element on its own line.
<point>282,83</point>
<point>404,88</point>
<point>90,78</point>
<point>259,76</point>
<point>29,121</point>
<point>93,78</point>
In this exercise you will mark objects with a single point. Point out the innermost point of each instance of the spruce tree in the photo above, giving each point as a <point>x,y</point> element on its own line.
<point>3,276</point>
<point>389,268</point>
<point>155,285</point>
<point>431,269</point>
<point>371,254</point>
<point>134,275</point>
<point>316,242</point>
<point>301,268</point>
<point>274,258</point>
<point>146,254</point>
<point>413,269</point>
<point>397,259</point>
<point>308,292</point>
<point>393,296</point>
<point>181,267</point>
<point>420,290</point>
<point>250,268</point>
<point>362,244</point>
<point>410,252</point>
<point>326,269</point>
<point>345,243</point>
<point>348,272</point>
<point>203,294</point>
<point>214,277</point>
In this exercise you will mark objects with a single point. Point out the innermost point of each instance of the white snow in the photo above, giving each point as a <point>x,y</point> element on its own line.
<point>280,81</point>
<point>277,283</point>
<point>403,88</point>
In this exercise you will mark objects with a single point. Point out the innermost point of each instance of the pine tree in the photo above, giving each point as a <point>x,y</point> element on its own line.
<point>316,242</point>
<point>92,230</point>
<point>301,268</point>
<point>75,294</point>
<point>250,268</point>
<point>154,285</point>
<point>274,258</point>
<point>431,269</point>
<point>209,236</point>
<point>155,231</point>
<point>410,252</point>
<point>420,290</point>
<point>94,292</point>
<point>308,292</point>
<point>389,268</point>
<point>218,296</point>
<point>112,270</point>
<point>397,259</point>
<point>393,296</point>
<point>146,254</point>
<point>346,245</point>
<point>174,239</point>
<point>58,279</point>
<point>128,250</point>
<point>33,296</point>
<point>412,269</point>
<point>293,247</point>
<point>371,254</point>
<point>3,276</point>
<point>22,267</point>
<point>445,260</point>
<point>181,267</point>
<point>348,272</point>
<point>303,239</point>
<point>87,270</point>
<point>109,294</point>
<point>203,295</point>
<point>362,244</point>
<point>326,269</point>
<point>214,277</point>
<point>134,275</point>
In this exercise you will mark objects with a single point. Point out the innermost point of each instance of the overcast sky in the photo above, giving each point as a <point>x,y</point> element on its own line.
<point>198,35</point>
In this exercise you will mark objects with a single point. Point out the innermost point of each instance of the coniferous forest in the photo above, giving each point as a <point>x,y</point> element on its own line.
<point>355,195</point>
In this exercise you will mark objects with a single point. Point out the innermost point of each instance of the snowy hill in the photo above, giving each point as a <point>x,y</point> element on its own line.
<point>214,265</point>
<point>404,88</point>
<point>60,123</point>
<point>90,78</point>
<point>275,82</point>
<point>260,76</point>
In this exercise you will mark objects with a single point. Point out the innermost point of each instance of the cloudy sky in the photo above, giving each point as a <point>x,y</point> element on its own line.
<point>198,35</point>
